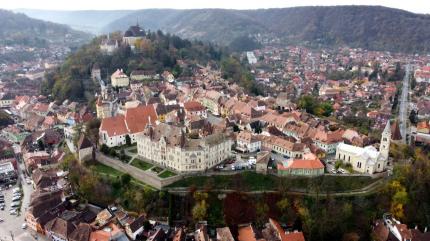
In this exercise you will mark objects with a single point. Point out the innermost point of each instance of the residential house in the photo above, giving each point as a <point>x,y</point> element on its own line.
<point>119,79</point>
<point>110,232</point>
<point>309,165</point>
<point>211,100</point>
<point>328,140</point>
<point>81,233</point>
<point>195,108</point>
<point>6,100</point>
<point>37,159</point>
<point>59,229</point>
<point>43,207</point>
<point>246,142</point>
<point>135,228</point>
<point>224,234</point>
<point>274,231</point>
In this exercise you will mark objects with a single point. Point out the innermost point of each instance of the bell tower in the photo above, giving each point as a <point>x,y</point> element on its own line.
<point>384,148</point>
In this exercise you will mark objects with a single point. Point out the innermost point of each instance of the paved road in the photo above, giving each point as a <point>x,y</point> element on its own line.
<point>12,224</point>
<point>404,102</point>
<point>371,188</point>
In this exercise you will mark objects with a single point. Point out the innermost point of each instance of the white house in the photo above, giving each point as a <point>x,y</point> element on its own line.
<point>246,142</point>
<point>119,79</point>
<point>135,228</point>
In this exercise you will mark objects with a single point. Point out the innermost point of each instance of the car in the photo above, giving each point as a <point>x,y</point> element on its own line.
<point>2,207</point>
<point>15,199</point>
<point>28,181</point>
<point>1,220</point>
<point>14,204</point>
<point>13,212</point>
<point>24,226</point>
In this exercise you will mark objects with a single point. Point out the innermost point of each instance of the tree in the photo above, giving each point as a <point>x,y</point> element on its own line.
<point>200,211</point>
<point>104,149</point>
<point>127,140</point>
<point>200,208</point>
<point>413,117</point>
<point>125,179</point>
<point>40,144</point>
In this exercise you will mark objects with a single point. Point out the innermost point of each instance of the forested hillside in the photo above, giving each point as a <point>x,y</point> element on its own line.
<point>18,29</point>
<point>157,52</point>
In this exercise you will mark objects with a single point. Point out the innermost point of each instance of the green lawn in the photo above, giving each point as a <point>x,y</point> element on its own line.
<point>166,174</point>
<point>251,181</point>
<point>112,173</point>
<point>157,170</point>
<point>141,164</point>
<point>103,169</point>
<point>134,150</point>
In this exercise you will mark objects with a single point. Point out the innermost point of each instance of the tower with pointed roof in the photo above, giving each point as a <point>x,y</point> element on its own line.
<point>384,148</point>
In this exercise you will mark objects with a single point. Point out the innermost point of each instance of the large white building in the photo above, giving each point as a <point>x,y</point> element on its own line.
<point>368,159</point>
<point>168,146</point>
<point>119,79</point>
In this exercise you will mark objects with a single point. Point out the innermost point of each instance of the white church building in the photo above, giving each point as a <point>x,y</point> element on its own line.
<point>366,159</point>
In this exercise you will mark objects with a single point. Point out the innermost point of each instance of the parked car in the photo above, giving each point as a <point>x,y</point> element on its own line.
<point>13,212</point>
<point>14,199</point>
<point>14,204</point>
<point>28,181</point>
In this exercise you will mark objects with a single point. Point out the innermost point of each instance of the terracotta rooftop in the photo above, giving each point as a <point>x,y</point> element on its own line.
<point>114,126</point>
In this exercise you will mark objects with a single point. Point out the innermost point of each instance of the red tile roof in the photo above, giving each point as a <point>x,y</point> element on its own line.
<point>137,118</point>
<point>302,164</point>
<point>114,126</point>
<point>193,106</point>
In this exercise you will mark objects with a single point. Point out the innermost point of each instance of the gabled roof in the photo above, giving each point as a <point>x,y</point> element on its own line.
<point>84,142</point>
<point>114,126</point>
<point>137,118</point>
<point>81,233</point>
<point>60,227</point>
<point>193,106</point>
<point>137,223</point>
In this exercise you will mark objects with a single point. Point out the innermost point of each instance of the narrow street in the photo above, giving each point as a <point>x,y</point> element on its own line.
<point>11,228</point>
<point>404,103</point>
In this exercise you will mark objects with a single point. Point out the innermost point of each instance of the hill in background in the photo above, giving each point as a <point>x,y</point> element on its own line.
<point>18,29</point>
<point>370,27</point>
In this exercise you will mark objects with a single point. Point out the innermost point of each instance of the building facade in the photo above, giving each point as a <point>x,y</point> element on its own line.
<point>119,79</point>
<point>168,146</point>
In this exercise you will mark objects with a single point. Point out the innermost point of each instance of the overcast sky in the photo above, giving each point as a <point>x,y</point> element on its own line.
<point>418,6</point>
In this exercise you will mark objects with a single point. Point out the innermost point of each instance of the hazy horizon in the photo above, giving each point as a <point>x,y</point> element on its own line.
<point>415,6</point>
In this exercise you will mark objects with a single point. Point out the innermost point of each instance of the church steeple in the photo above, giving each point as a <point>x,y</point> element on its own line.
<point>384,148</point>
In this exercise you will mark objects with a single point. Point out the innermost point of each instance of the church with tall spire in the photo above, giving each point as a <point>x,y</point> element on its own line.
<point>367,159</point>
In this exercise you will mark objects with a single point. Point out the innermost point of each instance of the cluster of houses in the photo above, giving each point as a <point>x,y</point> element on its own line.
<point>55,213</point>
<point>193,124</point>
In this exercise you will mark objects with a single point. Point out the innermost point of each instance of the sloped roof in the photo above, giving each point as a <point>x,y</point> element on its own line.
<point>137,118</point>
<point>84,142</point>
<point>114,125</point>
<point>81,233</point>
<point>60,227</point>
